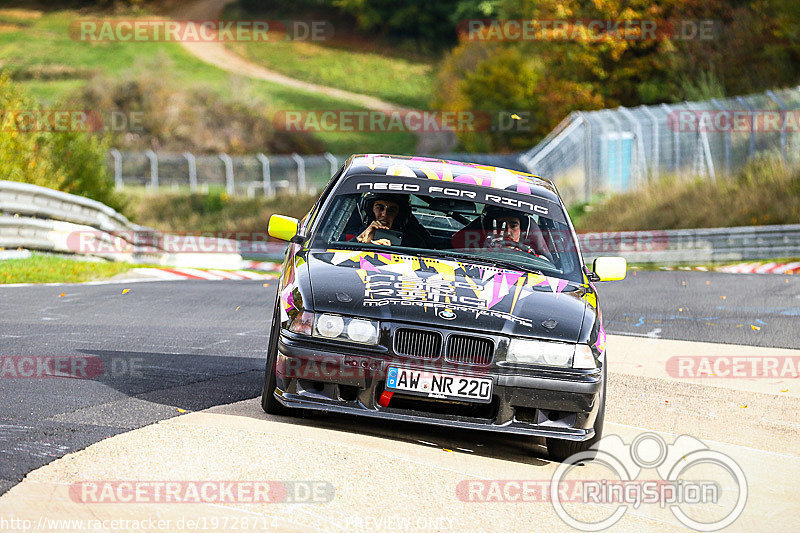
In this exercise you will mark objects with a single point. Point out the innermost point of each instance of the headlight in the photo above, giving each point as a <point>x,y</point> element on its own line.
<point>362,331</point>
<point>550,353</point>
<point>347,329</point>
<point>330,326</point>
<point>584,358</point>
<point>540,352</point>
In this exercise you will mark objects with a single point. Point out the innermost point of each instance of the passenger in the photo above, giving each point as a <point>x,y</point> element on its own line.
<point>390,217</point>
<point>501,227</point>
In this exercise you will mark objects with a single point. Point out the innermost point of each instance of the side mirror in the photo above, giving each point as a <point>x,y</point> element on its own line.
<point>610,268</point>
<point>283,228</point>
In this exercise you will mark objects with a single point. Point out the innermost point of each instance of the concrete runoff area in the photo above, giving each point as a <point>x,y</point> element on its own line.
<point>403,476</point>
<point>188,412</point>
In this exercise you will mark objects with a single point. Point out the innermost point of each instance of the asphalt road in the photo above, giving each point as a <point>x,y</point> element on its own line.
<point>160,347</point>
<point>754,309</point>
<point>170,346</point>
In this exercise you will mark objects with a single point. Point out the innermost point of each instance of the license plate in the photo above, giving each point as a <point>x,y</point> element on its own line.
<point>442,386</point>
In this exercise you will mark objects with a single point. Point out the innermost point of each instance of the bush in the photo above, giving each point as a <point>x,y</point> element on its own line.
<point>73,162</point>
<point>170,118</point>
<point>215,211</point>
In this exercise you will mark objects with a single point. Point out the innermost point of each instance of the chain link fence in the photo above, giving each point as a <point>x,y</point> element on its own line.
<point>618,150</point>
<point>589,152</point>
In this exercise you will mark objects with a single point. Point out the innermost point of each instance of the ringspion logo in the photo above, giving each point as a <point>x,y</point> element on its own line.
<point>704,489</point>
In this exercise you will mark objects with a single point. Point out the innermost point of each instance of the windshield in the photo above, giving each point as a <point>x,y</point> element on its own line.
<point>436,224</point>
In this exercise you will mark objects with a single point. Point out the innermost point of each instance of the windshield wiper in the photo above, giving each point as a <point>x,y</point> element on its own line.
<point>368,245</point>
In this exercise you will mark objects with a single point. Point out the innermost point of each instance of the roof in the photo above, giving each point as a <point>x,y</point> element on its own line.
<point>455,171</point>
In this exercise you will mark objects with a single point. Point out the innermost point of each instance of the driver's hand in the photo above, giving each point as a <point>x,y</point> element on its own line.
<point>497,236</point>
<point>368,234</point>
<point>384,242</point>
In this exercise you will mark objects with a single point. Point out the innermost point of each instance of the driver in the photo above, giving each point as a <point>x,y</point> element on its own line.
<point>391,212</point>
<point>501,227</point>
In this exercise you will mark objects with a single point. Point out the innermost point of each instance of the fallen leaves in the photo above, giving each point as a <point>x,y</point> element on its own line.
<point>237,307</point>
<point>754,327</point>
<point>62,294</point>
<point>125,291</point>
<point>723,297</point>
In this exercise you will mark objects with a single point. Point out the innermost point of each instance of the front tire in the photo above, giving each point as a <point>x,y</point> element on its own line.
<point>269,403</point>
<point>560,449</point>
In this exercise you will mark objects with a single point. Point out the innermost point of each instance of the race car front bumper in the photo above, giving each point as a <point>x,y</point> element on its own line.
<point>557,403</point>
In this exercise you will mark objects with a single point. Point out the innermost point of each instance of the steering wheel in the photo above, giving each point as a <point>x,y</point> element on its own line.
<point>499,242</point>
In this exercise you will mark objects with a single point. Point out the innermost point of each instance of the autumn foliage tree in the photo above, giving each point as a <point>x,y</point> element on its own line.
<point>699,49</point>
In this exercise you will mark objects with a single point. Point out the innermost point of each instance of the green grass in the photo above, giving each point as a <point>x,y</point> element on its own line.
<point>213,212</point>
<point>40,46</point>
<point>47,268</point>
<point>392,71</point>
<point>397,80</point>
<point>764,192</point>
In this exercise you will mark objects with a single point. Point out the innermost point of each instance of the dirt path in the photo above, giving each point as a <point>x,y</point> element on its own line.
<point>215,53</point>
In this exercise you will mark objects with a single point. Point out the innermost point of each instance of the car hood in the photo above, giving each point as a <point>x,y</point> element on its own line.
<point>448,293</point>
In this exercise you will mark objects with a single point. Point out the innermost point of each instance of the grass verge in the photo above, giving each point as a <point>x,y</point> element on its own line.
<point>764,192</point>
<point>340,58</point>
<point>41,57</point>
<point>49,268</point>
<point>213,212</point>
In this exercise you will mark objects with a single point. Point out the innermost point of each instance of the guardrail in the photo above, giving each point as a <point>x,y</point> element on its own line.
<point>41,202</point>
<point>38,218</point>
<point>687,246</point>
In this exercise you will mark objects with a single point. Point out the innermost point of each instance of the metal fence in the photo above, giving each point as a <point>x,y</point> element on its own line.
<point>250,175</point>
<point>621,149</point>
